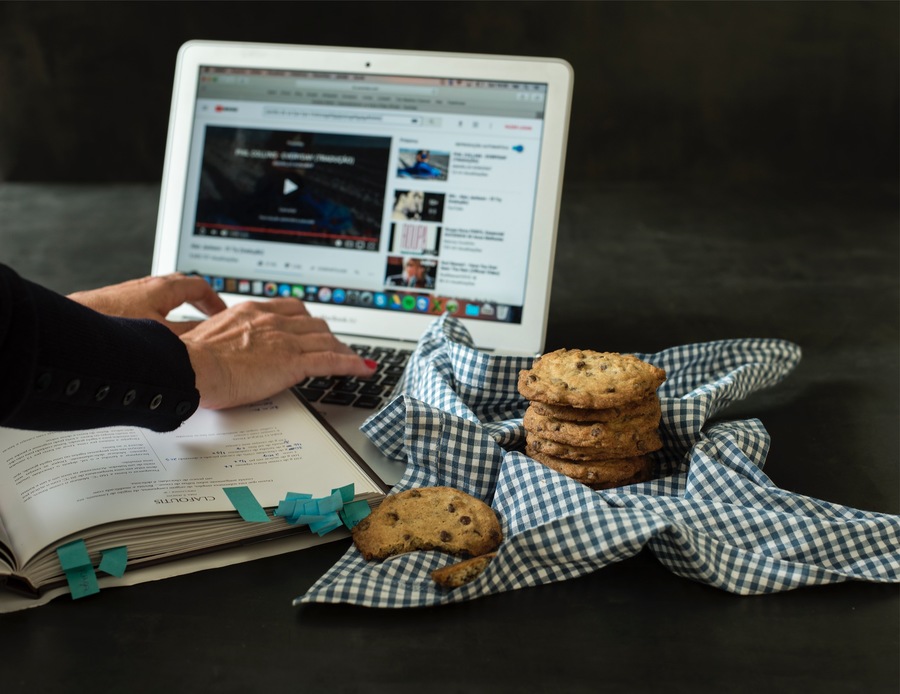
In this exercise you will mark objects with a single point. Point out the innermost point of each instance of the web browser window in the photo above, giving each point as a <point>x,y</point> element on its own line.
<point>374,191</point>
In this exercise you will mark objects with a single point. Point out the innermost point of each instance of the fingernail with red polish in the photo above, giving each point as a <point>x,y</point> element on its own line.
<point>371,363</point>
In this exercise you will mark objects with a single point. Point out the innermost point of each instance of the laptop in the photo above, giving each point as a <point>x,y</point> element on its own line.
<point>384,188</point>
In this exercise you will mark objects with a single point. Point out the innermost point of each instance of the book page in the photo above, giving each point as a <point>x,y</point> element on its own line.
<point>53,484</point>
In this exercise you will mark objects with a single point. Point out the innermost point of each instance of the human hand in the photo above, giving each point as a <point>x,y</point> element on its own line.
<point>253,350</point>
<point>153,297</point>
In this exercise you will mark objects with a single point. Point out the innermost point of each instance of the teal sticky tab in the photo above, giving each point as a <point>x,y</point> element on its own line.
<point>113,561</point>
<point>331,504</point>
<point>326,525</point>
<point>76,564</point>
<point>289,506</point>
<point>286,507</point>
<point>347,492</point>
<point>82,581</point>
<point>354,512</point>
<point>309,507</point>
<point>246,504</point>
<point>73,555</point>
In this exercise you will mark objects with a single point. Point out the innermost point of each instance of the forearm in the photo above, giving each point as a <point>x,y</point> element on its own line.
<point>65,366</point>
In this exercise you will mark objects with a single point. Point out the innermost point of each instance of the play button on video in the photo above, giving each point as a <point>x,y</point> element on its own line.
<point>289,186</point>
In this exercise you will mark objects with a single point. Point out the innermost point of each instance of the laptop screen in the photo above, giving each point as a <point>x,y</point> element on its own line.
<point>381,192</point>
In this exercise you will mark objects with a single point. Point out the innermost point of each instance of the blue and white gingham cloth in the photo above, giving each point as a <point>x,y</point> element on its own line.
<point>714,517</point>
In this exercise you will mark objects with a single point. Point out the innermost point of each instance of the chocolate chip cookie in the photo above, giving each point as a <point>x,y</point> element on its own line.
<point>648,406</point>
<point>611,434</point>
<point>584,378</point>
<point>428,518</point>
<point>462,572</point>
<point>599,474</point>
<point>640,444</point>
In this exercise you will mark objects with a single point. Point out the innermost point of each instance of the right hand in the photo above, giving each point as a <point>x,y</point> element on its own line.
<point>253,350</point>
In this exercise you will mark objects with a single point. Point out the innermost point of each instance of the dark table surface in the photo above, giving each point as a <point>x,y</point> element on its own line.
<point>639,267</point>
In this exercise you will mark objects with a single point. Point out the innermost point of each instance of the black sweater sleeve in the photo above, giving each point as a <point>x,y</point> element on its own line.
<point>64,366</point>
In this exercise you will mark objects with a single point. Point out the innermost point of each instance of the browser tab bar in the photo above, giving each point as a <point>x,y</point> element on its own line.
<point>461,97</point>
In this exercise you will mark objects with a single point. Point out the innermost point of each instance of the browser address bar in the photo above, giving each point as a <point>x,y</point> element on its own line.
<point>363,117</point>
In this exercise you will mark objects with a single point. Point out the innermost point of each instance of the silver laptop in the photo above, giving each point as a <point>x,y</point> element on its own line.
<point>384,188</point>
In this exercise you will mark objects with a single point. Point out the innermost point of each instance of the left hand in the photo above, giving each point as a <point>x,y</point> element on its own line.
<point>153,298</point>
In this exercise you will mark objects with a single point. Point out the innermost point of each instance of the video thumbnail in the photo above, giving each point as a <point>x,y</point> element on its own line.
<point>294,187</point>
<point>418,205</point>
<point>423,163</point>
<point>412,271</point>
<point>415,238</point>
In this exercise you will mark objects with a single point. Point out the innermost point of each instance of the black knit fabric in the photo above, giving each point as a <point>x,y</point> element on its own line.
<point>64,366</point>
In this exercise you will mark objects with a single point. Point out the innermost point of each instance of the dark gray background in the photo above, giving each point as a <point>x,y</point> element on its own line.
<point>733,172</point>
<point>674,90</point>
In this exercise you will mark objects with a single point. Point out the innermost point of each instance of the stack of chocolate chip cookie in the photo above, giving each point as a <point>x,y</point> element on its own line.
<point>594,416</point>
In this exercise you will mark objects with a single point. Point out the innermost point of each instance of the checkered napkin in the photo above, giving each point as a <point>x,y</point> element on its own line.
<point>714,516</point>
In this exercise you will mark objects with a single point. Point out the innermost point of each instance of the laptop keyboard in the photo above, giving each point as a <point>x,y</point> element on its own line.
<point>367,393</point>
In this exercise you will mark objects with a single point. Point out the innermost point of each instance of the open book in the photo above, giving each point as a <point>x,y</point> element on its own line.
<point>162,497</point>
